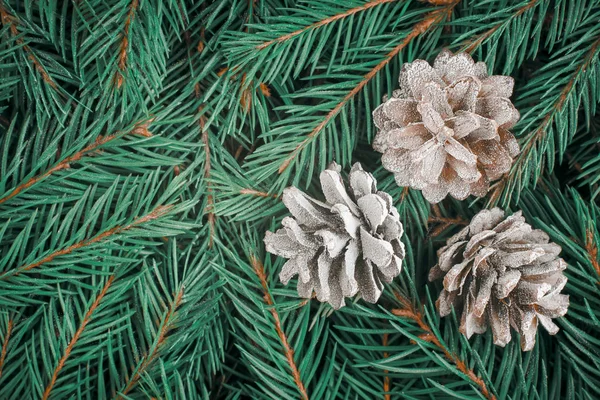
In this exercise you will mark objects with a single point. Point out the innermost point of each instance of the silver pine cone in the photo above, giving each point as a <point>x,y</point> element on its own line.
<point>445,131</point>
<point>501,272</point>
<point>346,245</point>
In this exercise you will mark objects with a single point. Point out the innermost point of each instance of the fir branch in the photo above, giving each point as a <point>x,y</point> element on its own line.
<point>12,22</point>
<point>9,328</point>
<point>238,197</point>
<point>323,22</point>
<point>288,351</point>
<point>66,163</point>
<point>123,48</point>
<point>165,326</point>
<point>473,43</point>
<point>534,141</point>
<point>418,29</point>
<point>84,322</point>
<point>409,311</point>
<point>107,235</point>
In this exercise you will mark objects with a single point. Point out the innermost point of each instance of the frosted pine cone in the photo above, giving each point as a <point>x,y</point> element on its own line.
<point>446,129</point>
<point>348,244</point>
<point>501,272</point>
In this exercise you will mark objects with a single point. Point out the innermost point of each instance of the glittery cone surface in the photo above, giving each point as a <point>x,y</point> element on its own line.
<point>446,130</point>
<point>500,272</point>
<point>346,245</point>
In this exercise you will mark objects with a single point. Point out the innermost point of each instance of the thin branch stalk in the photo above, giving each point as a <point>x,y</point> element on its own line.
<point>411,312</point>
<point>104,236</point>
<point>9,329</point>
<point>84,322</point>
<point>140,129</point>
<point>166,325</point>
<point>288,351</point>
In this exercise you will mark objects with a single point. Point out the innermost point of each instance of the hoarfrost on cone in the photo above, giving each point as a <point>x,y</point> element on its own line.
<point>446,130</point>
<point>500,272</point>
<point>346,245</point>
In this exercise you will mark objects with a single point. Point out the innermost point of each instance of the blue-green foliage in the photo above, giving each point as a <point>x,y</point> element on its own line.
<point>144,147</point>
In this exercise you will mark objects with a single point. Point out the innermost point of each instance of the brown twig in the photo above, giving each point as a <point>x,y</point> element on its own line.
<point>386,379</point>
<point>9,329</point>
<point>246,92</point>
<point>443,222</point>
<point>323,22</point>
<point>418,29</point>
<point>250,14</point>
<point>11,21</point>
<point>166,326</point>
<point>404,193</point>
<point>117,230</point>
<point>140,129</point>
<point>591,246</point>
<point>257,193</point>
<point>245,89</point>
<point>86,319</point>
<point>448,221</point>
<point>537,135</point>
<point>122,64</point>
<point>476,41</point>
<point>409,311</point>
<point>288,351</point>
<point>210,202</point>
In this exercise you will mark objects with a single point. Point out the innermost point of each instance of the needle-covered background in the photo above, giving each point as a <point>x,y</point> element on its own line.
<point>144,147</point>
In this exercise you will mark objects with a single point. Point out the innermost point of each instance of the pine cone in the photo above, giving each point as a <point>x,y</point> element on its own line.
<point>502,272</point>
<point>446,129</point>
<point>350,243</point>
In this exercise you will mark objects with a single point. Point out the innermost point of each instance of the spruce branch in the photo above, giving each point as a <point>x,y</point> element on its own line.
<point>274,41</point>
<point>535,142</point>
<point>410,312</point>
<point>344,14</point>
<point>420,28</point>
<point>124,46</point>
<point>107,235</point>
<point>287,349</point>
<point>442,222</point>
<point>209,196</point>
<point>66,163</point>
<point>246,88</point>
<point>238,197</point>
<point>166,324</point>
<point>12,22</point>
<point>473,43</point>
<point>84,322</point>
